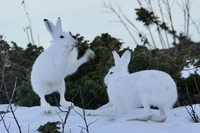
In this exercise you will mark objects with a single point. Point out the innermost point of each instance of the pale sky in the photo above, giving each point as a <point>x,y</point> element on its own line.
<point>86,17</point>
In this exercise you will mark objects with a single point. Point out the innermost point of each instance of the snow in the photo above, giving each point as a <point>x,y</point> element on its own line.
<point>190,69</point>
<point>30,118</point>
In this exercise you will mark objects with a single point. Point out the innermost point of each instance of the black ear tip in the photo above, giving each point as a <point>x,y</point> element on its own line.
<point>45,19</point>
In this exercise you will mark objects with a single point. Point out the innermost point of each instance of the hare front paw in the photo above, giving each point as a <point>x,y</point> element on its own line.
<point>89,54</point>
<point>47,108</point>
<point>49,111</point>
<point>68,105</point>
<point>91,113</point>
<point>95,113</point>
<point>140,118</point>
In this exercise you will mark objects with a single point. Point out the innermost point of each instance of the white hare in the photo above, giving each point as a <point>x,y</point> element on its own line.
<point>55,63</point>
<point>139,89</point>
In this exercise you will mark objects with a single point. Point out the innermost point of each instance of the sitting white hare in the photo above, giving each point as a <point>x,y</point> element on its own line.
<point>55,63</point>
<point>145,88</point>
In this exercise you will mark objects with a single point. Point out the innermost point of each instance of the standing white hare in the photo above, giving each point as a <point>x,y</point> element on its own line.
<point>144,88</point>
<point>55,63</point>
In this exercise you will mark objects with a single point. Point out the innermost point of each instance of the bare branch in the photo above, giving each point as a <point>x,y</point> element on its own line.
<point>168,8</point>
<point>196,26</point>
<point>191,108</point>
<point>83,116</point>
<point>63,122</point>
<point>3,85</point>
<point>162,16</point>
<point>118,14</point>
<point>30,25</point>
<point>4,123</point>
<point>11,106</point>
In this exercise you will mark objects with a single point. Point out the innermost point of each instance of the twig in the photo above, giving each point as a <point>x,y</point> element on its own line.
<point>30,26</point>
<point>191,109</point>
<point>161,12</point>
<point>63,122</point>
<point>10,99</point>
<point>83,116</point>
<point>110,7</point>
<point>11,108</point>
<point>4,123</point>
<point>168,8</point>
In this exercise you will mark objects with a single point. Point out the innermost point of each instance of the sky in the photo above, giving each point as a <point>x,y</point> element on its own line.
<point>87,17</point>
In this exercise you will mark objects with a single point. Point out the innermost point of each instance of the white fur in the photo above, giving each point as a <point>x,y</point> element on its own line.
<point>144,88</point>
<point>55,63</point>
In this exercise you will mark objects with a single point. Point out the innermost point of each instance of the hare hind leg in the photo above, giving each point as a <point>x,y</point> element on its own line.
<point>144,117</point>
<point>161,118</point>
<point>63,102</point>
<point>46,106</point>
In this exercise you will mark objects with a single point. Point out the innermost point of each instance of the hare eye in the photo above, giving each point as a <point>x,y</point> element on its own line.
<point>111,72</point>
<point>61,36</point>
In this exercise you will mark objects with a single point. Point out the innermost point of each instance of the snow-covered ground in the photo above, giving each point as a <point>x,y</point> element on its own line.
<point>30,118</point>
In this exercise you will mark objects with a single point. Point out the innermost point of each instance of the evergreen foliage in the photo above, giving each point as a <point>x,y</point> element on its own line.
<point>50,127</point>
<point>88,81</point>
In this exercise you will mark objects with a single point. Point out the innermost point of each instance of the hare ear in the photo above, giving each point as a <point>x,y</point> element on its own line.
<point>116,58</point>
<point>125,58</point>
<point>58,24</point>
<point>50,27</point>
